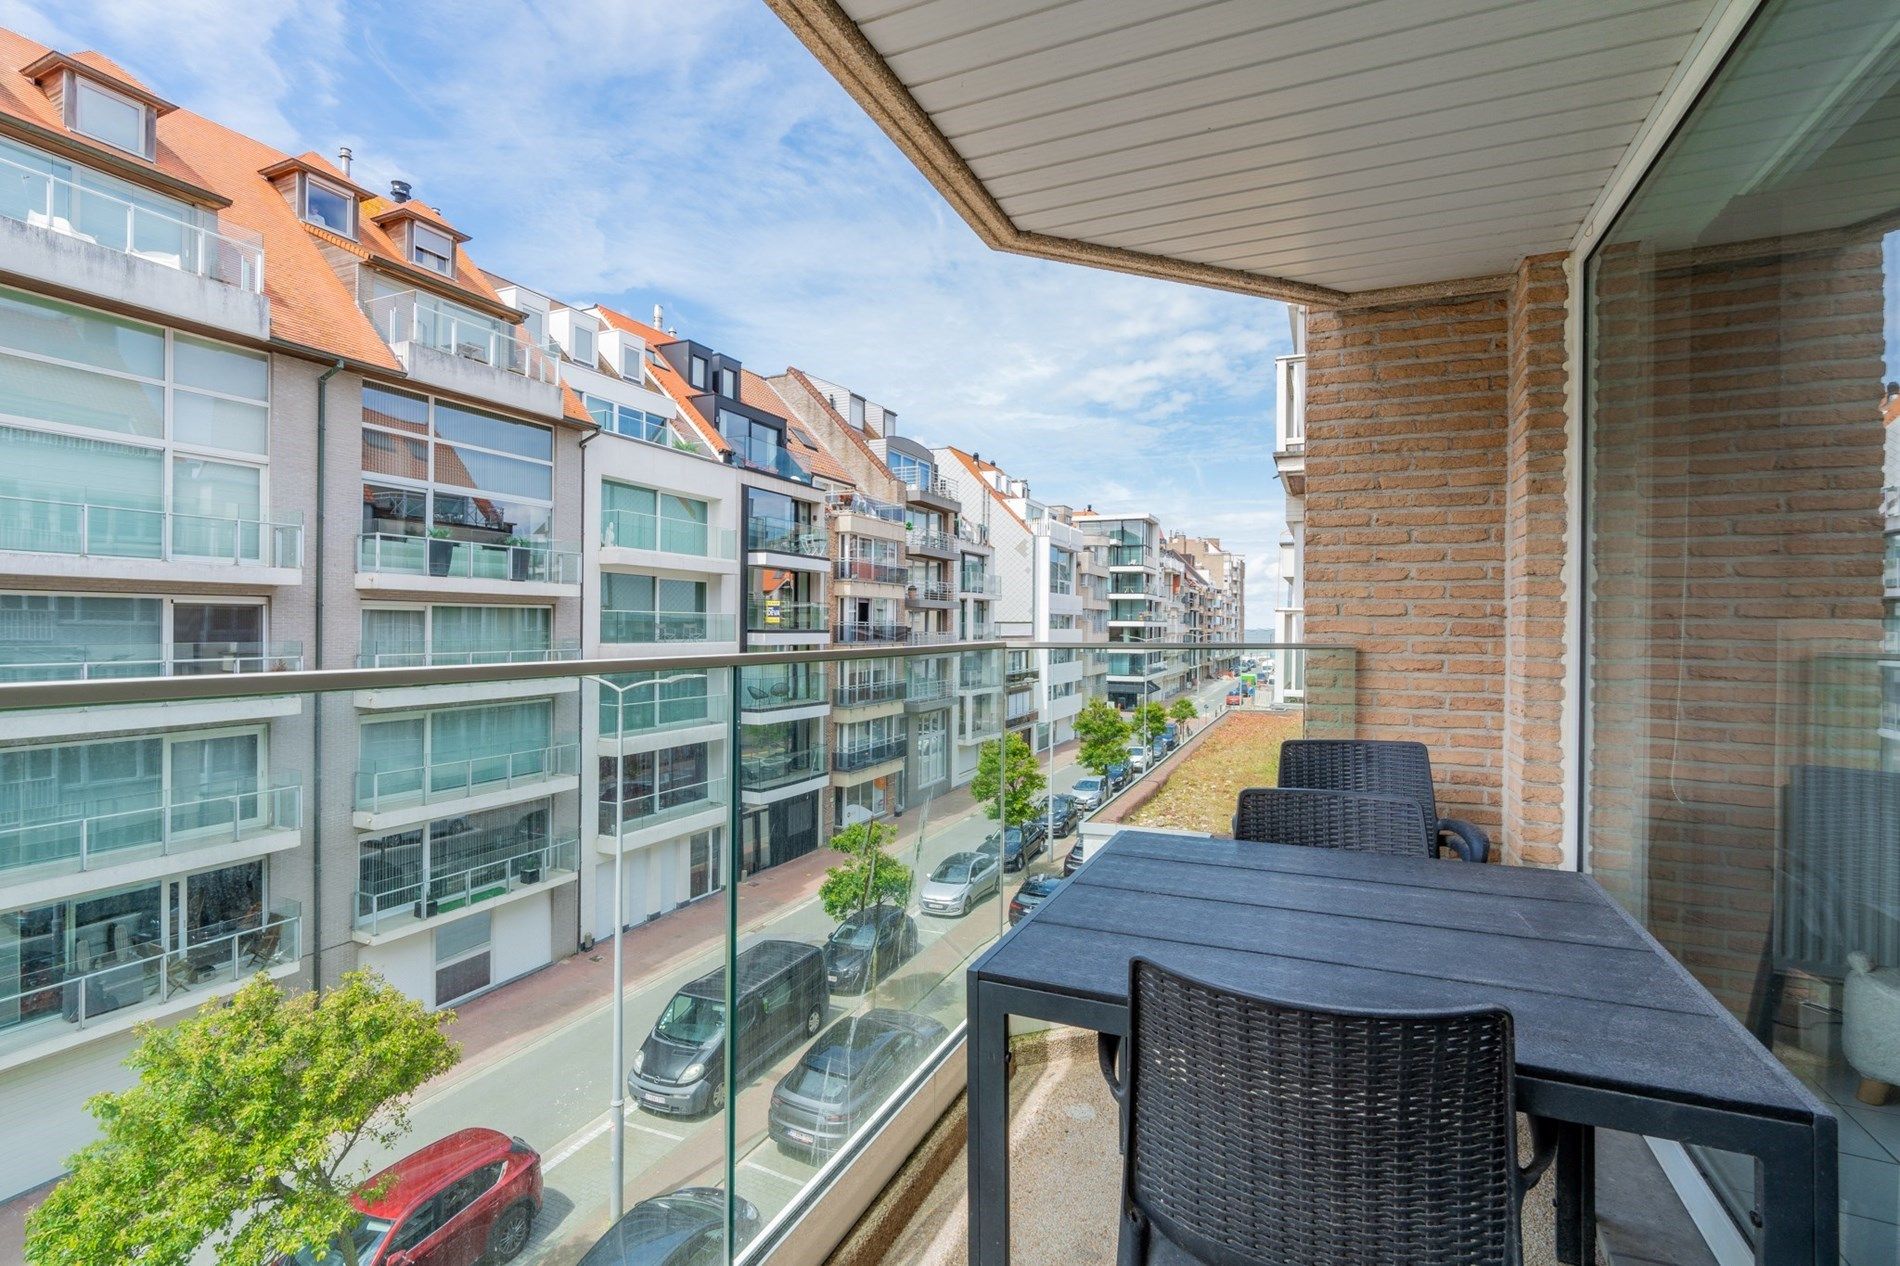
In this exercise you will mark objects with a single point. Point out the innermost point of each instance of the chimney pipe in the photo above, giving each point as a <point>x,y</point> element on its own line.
<point>399,191</point>
<point>343,157</point>
<point>659,317</point>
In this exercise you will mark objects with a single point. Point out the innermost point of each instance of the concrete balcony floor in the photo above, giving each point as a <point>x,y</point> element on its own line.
<point>1066,1172</point>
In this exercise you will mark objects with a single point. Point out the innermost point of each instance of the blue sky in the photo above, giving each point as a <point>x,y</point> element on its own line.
<point>692,153</point>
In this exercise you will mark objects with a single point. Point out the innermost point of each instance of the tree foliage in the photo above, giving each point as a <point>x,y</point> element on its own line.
<point>1150,720</point>
<point>1184,710</point>
<point>1008,768</point>
<point>870,878</point>
<point>239,1131</point>
<point>1102,735</point>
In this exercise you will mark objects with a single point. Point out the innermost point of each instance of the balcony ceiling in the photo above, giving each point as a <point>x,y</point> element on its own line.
<point>1319,151</point>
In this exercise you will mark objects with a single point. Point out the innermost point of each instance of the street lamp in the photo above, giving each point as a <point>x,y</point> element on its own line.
<point>616,1102</point>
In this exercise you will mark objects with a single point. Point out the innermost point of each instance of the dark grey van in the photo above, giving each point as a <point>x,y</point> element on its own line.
<point>782,999</point>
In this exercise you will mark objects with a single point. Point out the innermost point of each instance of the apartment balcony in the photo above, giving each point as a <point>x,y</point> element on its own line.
<point>652,813</point>
<point>638,720</point>
<point>854,511</point>
<point>94,661</point>
<point>972,533</point>
<point>768,534</point>
<point>768,616</point>
<point>629,538</point>
<point>437,656</point>
<point>388,798</point>
<point>853,631</point>
<point>766,459</point>
<point>860,571</point>
<point>934,492</point>
<point>934,544</point>
<point>939,637</point>
<point>441,565</point>
<point>195,267</point>
<point>1130,557</point>
<point>446,345</point>
<point>778,688</point>
<point>979,586</point>
<point>148,980</point>
<point>938,595</point>
<point>856,757</point>
<point>625,628</point>
<point>762,777</point>
<point>74,540</point>
<point>399,905</point>
<point>927,694</point>
<point>48,850</point>
<point>866,694</point>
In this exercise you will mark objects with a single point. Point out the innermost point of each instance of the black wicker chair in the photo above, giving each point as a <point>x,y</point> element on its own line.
<point>1255,1132</point>
<point>1386,766</point>
<point>1359,822</point>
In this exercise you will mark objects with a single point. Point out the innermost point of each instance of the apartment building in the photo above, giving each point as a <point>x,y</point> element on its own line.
<point>1289,462</point>
<point>1224,575</point>
<point>1144,605</point>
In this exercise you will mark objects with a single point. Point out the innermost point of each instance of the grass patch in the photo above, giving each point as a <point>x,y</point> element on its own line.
<point>1200,793</point>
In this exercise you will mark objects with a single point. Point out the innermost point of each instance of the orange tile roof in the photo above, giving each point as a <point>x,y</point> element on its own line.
<point>857,437</point>
<point>978,467</point>
<point>572,407</point>
<point>758,393</point>
<point>671,384</point>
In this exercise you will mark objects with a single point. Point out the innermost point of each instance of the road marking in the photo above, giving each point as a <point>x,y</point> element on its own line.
<point>588,1134</point>
<point>749,1163</point>
<point>654,1129</point>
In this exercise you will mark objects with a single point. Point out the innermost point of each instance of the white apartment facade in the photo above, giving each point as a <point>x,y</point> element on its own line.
<point>1289,461</point>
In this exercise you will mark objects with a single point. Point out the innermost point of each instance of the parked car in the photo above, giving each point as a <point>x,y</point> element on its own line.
<point>1171,735</point>
<point>1073,859</point>
<point>1020,844</point>
<point>469,1197</point>
<point>1157,751</point>
<point>1090,792</point>
<point>1035,890</point>
<point>1119,776</point>
<point>1235,698</point>
<point>682,1228</point>
<point>1138,755</point>
<point>846,1076</point>
<point>782,998</point>
<point>1058,814</point>
<point>867,946</point>
<point>959,882</point>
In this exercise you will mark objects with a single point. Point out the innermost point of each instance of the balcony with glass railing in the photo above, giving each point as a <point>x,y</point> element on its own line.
<point>42,841</point>
<point>926,691</point>
<point>195,242</point>
<point>850,757</point>
<point>766,458</point>
<point>854,502</point>
<point>137,536</point>
<point>91,661</point>
<point>623,627</point>
<point>768,771</point>
<point>414,319</point>
<point>403,899</point>
<point>924,541</point>
<point>638,530</point>
<point>1131,556</point>
<point>930,486</point>
<point>446,562</point>
<point>671,701</point>
<point>435,656</point>
<point>850,631</point>
<point>443,782</point>
<point>646,805</point>
<point>870,572</point>
<point>976,584</point>
<point>765,615</point>
<point>931,591</point>
<point>864,694</point>
<point>147,977</point>
<point>774,687</point>
<point>787,536</point>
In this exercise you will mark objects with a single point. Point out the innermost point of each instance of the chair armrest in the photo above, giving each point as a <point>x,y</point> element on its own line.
<point>1543,1152</point>
<point>1466,840</point>
<point>1108,1049</point>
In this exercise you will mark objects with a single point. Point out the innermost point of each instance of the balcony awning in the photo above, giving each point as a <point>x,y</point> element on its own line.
<point>1318,151</point>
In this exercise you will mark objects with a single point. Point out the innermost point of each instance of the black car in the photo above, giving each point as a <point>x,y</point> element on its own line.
<point>1118,776</point>
<point>1059,813</point>
<point>848,1073</point>
<point>1073,859</point>
<point>867,946</point>
<point>682,1228</point>
<point>1035,890</point>
<point>1019,844</point>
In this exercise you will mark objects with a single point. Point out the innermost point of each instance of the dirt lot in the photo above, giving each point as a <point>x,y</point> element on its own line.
<point>1200,795</point>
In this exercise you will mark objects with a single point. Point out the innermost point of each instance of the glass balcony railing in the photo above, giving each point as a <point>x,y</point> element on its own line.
<point>186,659</point>
<point>30,525</point>
<point>393,657</point>
<point>862,694</point>
<point>926,689</point>
<point>414,317</point>
<point>867,572</point>
<point>147,972</point>
<point>851,757</point>
<point>682,705</point>
<point>666,626</point>
<point>646,805</point>
<point>786,536</point>
<point>938,637</point>
<point>917,483</point>
<point>379,790</point>
<point>859,503</point>
<point>979,585</point>
<point>773,686</point>
<point>632,529</point>
<point>520,561</point>
<point>58,839</point>
<point>475,876</point>
<point>1130,556</point>
<point>204,245</point>
<point>767,459</point>
<point>870,631</point>
<point>934,542</point>
<point>768,616</point>
<point>765,771</point>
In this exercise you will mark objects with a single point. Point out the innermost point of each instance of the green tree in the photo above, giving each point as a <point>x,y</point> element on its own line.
<point>1102,735</point>
<point>239,1130</point>
<point>1008,768</point>
<point>871,877</point>
<point>1183,711</point>
<point>1150,720</point>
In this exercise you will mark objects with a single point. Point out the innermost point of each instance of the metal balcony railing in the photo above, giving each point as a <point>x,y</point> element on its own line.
<point>35,525</point>
<point>927,689</point>
<point>865,571</point>
<point>504,868</point>
<point>647,805</point>
<point>186,659</point>
<point>774,686</point>
<point>435,655</point>
<point>414,317</point>
<point>382,789</point>
<point>938,542</point>
<point>203,244</point>
<point>667,626</point>
<point>767,459</point>
<point>519,561</point>
<point>764,772</point>
<point>859,503</point>
<point>60,841</point>
<point>859,694</point>
<point>635,529</point>
<point>853,757</point>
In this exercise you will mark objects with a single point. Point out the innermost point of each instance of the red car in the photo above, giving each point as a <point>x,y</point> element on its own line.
<point>470,1197</point>
<point>1235,698</point>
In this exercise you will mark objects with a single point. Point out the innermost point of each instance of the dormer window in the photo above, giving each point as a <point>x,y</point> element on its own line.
<point>329,206</point>
<point>114,118</point>
<point>729,383</point>
<point>432,249</point>
<point>696,373</point>
<point>583,344</point>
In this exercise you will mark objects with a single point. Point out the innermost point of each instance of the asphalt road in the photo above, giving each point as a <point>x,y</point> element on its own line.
<point>555,1091</point>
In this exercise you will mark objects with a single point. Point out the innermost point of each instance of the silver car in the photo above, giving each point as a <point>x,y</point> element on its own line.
<point>1088,792</point>
<point>959,882</point>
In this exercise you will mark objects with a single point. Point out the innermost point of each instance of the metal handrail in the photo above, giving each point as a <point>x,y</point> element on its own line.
<point>458,889</point>
<point>547,562</point>
<point>416,659</point>
<point>917,538</point>
<point>24,529</point>
<point>863,755</point>
<point>411,316</point>
<point>666,626</point>
<point>637,529</point>
<point>660,804</point>
<point>244,657</point>
<point>869,572</point>
<point>858,694</point>
<point>787,536</point>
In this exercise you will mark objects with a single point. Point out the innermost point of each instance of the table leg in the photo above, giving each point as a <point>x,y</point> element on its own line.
<point>989,1128</point>
<point>1576,1194</point>
<point>1798,1198</point>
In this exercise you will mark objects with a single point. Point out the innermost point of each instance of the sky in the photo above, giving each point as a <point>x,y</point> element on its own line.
<point>692,153</point>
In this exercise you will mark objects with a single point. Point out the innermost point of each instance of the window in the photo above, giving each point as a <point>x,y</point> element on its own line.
<point>729,383</point>
<point>461,960</point>
<point>652,783</point>
<point>329,206</point>
<point>642,608</point>
<point>634,517</point>
<point>407,637</point>
<point>432,248</point>
<point>109,116</point>
<point>431,466</point>
<point>583,348</point>
<point>697,370</point>
<point>857,412</point>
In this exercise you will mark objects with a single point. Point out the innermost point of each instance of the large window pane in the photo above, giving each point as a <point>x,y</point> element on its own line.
<point>29,323</point>
<point>214,367</point>
<point>1743,785</point>
<point>217,508</point>
<point>79,397</point>
<point>62,494</point>
<point>216,423</point>
<point>466,426</point>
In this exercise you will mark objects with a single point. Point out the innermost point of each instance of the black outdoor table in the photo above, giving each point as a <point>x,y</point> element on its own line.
<point>1611,1031</point>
